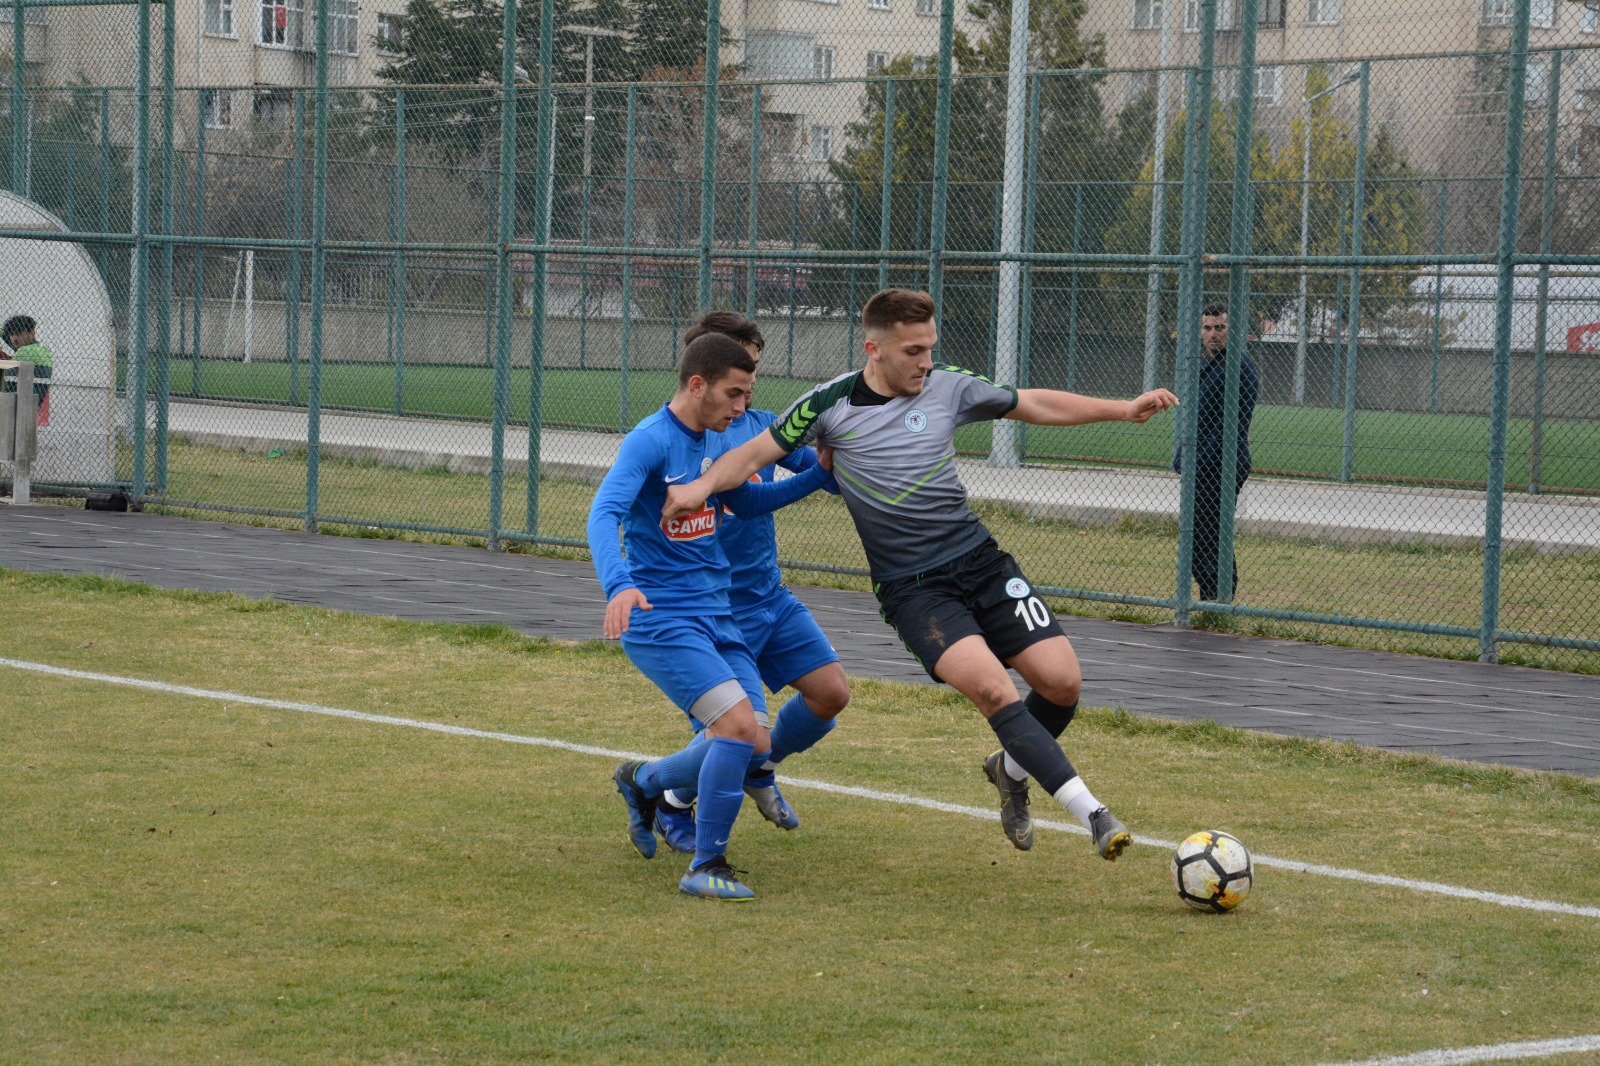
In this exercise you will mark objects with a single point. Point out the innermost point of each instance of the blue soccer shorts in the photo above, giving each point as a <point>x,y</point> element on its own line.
<point>787,642</point>
<point>686,657</point>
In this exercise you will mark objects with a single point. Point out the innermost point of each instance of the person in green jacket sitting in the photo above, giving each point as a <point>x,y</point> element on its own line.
<point>21,335</point>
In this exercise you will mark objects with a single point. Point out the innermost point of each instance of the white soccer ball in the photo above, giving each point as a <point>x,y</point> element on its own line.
<point>1212,871</point>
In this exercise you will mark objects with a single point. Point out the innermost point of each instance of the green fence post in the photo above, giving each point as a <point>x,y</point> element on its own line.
<point>1191,292</point>
<point>941,155</point>
<point>505,230</point>
<point>1358,226</point>
<point>1500,402</point>
<point>1541,321</point>
<point>1242,226</point>
<point>168,225</point>
<point>1029,227</point>
<point>886,190</point>
<point>850,290</point>
<point>139,299</point>
<point>199,251</point>
<point>627,260</point>
<point>1438,298</point>
<point>298,215</point>
<point>543,192</point>
<point>794,245</point>
<point>1072,288</point>
<point>319,256</point>
<point>19,101</point>
<point>105,178</point>
<point>677,276</point>
<point>398,288</point>
<point>708,152</point>
<point>754,224</point>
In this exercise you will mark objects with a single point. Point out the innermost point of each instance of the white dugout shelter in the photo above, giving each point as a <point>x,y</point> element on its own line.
<point>59,285</point>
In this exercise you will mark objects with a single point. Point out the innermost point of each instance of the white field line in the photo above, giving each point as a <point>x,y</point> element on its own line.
<point>899,798</point>
<point>1531,1049</point>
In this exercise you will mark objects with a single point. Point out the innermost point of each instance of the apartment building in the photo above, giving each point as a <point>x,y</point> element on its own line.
<point>237,54</point>
<point>1437,110</point>
<point>833,44</point>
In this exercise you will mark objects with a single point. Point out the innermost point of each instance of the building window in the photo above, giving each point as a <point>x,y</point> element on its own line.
<point>877,62</point>
<point>1583,89</point>
<point>1270,15</point>
<point>343,27</point>
<point>1141,83</point>
<point>822,61</point>
<point>921,64</point>
<point>1323,12</point>
<point>390,37</point>
<point>273,108</point>
<point>1147,14</point>
<point>1191,15</point>
<point>773,55</point>
<point>217,106</point>
<point>219,18</point>
<point>32,16</point>
<point>283,24</point>
<point>928,7</point>
<point>1541,13</point>
<point>821,144</point>
<point>1589,19</point>
<point>1269,85</point>
<point>1536,81</point>
<point>878,5</point>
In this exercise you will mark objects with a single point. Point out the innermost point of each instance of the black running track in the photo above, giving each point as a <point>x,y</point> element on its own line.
<point>1537,719</point>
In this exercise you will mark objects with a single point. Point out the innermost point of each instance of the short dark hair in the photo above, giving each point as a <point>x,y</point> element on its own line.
<point>17,324</point>
<point>1213,310</point>
<point>890,307</point>
<point>712,356</point>
<point>728,323</point>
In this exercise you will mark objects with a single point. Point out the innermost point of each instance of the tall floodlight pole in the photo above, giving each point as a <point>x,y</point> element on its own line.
<point>588,33</point>
<point>1302,331</point>
<point>1158,209</point>
<point>1003,450</point>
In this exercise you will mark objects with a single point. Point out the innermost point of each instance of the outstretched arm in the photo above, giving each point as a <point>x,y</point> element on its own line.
<point>732,469</point>
<point>1048,407</point>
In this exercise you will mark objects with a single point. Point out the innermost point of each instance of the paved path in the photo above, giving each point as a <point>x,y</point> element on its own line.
<point>1346,514</point>
<point>1498,714</point>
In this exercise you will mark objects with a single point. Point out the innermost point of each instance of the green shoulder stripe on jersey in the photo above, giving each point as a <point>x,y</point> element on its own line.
<point>1012,389</point>
<point>838,472</point>
<point>791,429</point>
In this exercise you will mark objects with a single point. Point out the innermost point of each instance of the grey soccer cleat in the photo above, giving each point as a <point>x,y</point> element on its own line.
<point>1110,835</point>
<point>1015,817</point>
<point>773,807</point>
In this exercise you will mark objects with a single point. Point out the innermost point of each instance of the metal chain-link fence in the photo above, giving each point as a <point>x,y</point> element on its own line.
<point>366,265</point>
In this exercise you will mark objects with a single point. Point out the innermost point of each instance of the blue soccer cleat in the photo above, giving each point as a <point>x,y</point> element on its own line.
<point>715,880</point>
<point>641,811</point>
<point>773,807</point>
<point>676,826</point>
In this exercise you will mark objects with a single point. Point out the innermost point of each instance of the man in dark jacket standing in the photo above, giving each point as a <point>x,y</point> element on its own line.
<point>1208,444</point>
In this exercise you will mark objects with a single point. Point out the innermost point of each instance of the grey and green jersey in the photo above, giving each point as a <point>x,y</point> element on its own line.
<point>896,463</point>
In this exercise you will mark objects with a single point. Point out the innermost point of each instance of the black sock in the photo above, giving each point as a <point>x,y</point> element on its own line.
<point>1032,746</point>
<point>1053,716</point>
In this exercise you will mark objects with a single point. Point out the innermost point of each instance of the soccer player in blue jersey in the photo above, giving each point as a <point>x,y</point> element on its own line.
<point>789,647</point>
<point>961,605</point>
<point>668,603</point>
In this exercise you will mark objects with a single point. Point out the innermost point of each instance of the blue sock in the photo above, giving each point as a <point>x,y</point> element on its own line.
<point>721,796</point>
<point>757,774</point>
<point>797,728</point>
<point>681,769</point>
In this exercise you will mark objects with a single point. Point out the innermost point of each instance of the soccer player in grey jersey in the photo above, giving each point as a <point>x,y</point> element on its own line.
<point>961,605</point>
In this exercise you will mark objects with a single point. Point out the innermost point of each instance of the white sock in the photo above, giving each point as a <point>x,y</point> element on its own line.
<point>1076,797</point>
<point>671,796</point>
<point>1013,771</point>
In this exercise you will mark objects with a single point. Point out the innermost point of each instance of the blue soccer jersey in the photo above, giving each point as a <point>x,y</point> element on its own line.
<point>751,544</point>
<point>677,564</point>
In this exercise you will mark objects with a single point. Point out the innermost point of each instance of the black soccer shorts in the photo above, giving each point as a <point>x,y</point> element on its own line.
<point>982,593</point>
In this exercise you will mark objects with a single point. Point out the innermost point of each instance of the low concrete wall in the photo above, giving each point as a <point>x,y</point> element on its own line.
<point>1389,377</point>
